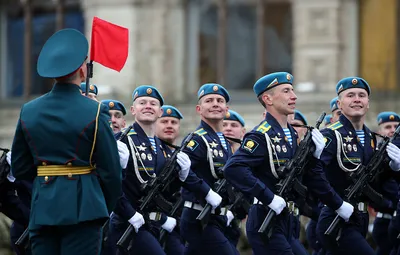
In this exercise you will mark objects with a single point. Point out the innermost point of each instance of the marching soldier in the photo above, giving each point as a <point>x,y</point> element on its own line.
<point>72,159</point>
<point>348,144</point>
<point>93,91</point>
<point>168,125</point>
<point>234,127</point>
<point>336,112</point>
<point>208,151</point>
<point>327,120</point>
<point>117,113</point>
<point>252,169</point>
<point>298,121</point>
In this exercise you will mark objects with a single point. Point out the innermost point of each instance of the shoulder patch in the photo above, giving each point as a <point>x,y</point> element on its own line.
<point>192,145</point>
<point>249,145</point>
<point>327,141</point>
<point>132,132</point>
<point>263,127</point>
<point>335,125</point>
<point>200,132</point>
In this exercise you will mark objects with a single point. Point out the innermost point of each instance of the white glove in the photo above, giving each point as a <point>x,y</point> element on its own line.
<point>136,221</point>
<point>169,225</point>
<point>184,162</point>
<point>345,211</point>
<point>213,199</point>
<point>123,154</point>
<point>318,140</point>
<point>230,217</point>
<point>394,154</point>
<point>8,157</point>
<point>277,204</point>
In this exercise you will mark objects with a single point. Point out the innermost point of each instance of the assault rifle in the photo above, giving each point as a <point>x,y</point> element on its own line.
<point>4,166</point>
<point>156,188</point>
<point>290,173</point>
<point>361,182</point>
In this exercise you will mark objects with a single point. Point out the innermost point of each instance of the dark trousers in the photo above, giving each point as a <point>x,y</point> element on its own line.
<point>80,239</point>
<point>381,237</point>
<point>211,240</point>
<point>16,231</point>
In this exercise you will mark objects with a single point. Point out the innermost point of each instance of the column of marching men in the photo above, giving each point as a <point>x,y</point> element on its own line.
<point>80,173</point>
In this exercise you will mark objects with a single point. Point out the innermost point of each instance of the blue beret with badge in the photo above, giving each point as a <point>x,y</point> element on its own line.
<point>299,116</point>
<point>232,115</point>
<point>352,82</point>
<point>384,117</point>
<point>62,54</point>
<point>114,105</point>
<point>92,88</point>
<point>213,88</point>
<point>170,111</point>
<point>147,91</point>
<point>327,119</point>
<point>333,104</point>
<point>272,80</point>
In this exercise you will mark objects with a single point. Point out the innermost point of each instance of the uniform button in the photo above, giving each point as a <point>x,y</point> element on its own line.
<point>44,163</point>
<point>46,178</point>
<point>69,164</point>
<point>69,175</point>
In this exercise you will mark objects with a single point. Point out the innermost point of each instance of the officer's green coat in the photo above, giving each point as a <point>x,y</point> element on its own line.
<point>57,129</point>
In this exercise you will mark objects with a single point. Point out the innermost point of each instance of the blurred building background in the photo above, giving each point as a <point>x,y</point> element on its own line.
<point>176,45</point>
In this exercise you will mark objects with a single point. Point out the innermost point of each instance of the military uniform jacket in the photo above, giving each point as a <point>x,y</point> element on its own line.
<point>65,128</point>
<point>149,163</point>
<point>252,169</point>
<point>198,152</point>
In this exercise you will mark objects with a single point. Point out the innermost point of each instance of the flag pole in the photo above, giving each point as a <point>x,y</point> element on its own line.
<point>89,75</point>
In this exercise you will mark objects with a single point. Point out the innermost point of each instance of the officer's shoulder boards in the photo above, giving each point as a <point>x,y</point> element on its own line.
<point>192,145</point>
<point>263,127</point>
<point>200,132</point>
<point>250,145</point>
<point>335,125</point>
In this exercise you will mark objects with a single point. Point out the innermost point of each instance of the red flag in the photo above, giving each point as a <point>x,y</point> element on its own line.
<point>109,45</point>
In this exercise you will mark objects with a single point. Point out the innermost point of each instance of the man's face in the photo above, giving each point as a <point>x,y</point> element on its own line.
<point>167,128</point>
<point>212,107</point>
<point>354,102</point>
<point>234,129</point>
<point>146,110</point>
<point>117,120</point>
<point>335,115</point>
<point>301,131</point>
<point>282,99</point>
<point>388,128</point>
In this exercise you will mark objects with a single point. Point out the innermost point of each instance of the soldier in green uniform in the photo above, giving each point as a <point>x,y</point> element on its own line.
<point>64,144</point>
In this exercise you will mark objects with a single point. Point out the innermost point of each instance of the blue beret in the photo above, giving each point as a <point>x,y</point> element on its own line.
<point>114,105</point>
<point>170,111</point>
<point>92,88</point>
<point>147,91</point>
<point>299,116</point>
<point>272,80</point>
<point>333,104</point>
<point>213,88</point>
<point>327,119</point>
<point>387,117</point>
<point>352,82</point>
<point>232,115</point>
<point>62,54</point>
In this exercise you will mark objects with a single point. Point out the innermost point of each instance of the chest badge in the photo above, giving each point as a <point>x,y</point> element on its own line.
<point>221,154</point>
<point>278,148</point>
<point>213,144</point>
<point>276,139</point>
<point>149,157</point>
<point>355,147</point>
<point>141,148</point>
<point>143,156</point>
<point>349,147</point>
<point>348,139</point>
<point>284,149</point>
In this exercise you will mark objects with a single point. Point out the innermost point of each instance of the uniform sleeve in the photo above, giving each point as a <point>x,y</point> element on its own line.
<point>196,185</point>
<point>316,180</point>
<point>124,208</point>
<point>22,164</point>
<point>238,169</point>
<point>107,161</point>
<point>12,206</point>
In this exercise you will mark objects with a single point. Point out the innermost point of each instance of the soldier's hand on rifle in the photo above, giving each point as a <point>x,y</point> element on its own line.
<point>136,221</point>
<point>213,199</point>
<point>169,224</point>
<point>345,211</point>
<point>277,204</point>
<point>184,162</point>
<point>229,218</point>
<point>123,154</point>
<point>394,154</point>
<point>8,157</point>
<point>318,140</point>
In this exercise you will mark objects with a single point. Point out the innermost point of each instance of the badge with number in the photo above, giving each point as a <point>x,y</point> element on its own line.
<point>221,154</point>
<point>355,147</point>
<point>284,149</point>
<point>149,157</point>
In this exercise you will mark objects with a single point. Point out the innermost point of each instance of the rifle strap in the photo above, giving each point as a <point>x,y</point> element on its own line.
<point>271,148</point>
<point>339,150</point>
<point>210,158</point>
